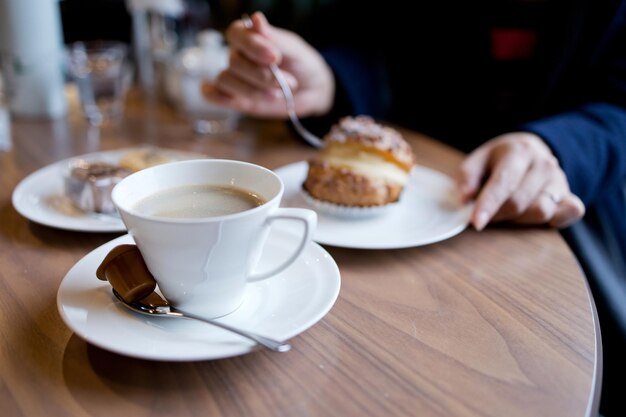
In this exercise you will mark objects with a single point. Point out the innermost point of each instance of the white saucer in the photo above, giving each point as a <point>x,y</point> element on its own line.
<point>427,213</point>
<point>280,307</point>
<point>40,196</point>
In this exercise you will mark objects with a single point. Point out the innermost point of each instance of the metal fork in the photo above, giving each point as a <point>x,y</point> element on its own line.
<point>282,82</point>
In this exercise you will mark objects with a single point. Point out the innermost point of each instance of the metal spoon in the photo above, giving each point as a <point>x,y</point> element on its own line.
<point>291,111</point>
<point>160,307</point>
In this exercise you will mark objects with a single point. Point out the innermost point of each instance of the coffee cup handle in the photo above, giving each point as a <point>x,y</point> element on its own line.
<point>308,219</point>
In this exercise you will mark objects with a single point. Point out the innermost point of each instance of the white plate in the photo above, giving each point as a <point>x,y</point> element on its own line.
<point>427,213</point>
<point>39,196</point>
<point>280,307</point>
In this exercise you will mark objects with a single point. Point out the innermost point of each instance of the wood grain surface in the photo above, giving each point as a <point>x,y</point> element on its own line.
<point>496,323</point>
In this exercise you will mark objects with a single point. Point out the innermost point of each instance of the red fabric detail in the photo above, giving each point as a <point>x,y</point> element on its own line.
<point>509,44</point>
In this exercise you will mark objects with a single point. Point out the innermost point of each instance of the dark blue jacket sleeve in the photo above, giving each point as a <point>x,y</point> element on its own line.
<point>361,87</point>
<point>363,80</point>
<point>590,143</point>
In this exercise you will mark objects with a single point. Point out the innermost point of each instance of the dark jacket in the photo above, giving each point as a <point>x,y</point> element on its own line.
<point>464,72</point>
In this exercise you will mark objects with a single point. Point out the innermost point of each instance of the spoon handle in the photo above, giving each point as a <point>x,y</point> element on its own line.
<point>262,340</point>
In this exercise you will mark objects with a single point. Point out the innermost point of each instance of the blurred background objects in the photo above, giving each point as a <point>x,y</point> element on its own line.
<point>31,47</point>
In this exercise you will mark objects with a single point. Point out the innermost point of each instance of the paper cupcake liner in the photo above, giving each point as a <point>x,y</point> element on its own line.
<point>346,212</point>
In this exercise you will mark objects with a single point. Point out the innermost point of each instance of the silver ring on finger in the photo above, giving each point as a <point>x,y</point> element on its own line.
<point>556,199</point>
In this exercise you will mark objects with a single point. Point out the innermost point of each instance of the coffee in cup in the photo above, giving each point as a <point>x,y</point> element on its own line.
<point>197,201</point>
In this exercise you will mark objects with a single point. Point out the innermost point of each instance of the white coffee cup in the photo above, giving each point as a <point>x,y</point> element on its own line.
<point>202,264</point>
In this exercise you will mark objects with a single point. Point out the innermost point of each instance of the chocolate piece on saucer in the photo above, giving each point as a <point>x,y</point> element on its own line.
<point>127,273</point>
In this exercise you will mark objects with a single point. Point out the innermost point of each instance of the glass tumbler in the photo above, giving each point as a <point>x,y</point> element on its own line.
<point>102,74</point>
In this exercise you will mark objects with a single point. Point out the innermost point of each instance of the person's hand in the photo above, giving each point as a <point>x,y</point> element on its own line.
<point>248,84</point>
<point>515,177</point>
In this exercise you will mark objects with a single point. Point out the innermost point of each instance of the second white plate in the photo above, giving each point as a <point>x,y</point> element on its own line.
<point>40,196</point>
<point>427,213</point>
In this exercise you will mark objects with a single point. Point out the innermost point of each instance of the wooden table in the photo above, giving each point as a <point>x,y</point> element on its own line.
<point>496,323</point>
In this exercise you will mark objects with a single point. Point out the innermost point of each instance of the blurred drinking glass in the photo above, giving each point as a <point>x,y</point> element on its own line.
<point>102,74</point>
<point>192,67</point>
